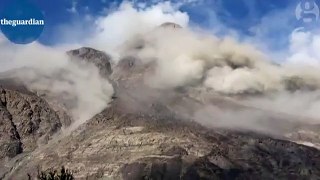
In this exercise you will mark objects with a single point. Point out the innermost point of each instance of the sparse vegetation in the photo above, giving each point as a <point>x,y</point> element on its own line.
<point>64,174</point>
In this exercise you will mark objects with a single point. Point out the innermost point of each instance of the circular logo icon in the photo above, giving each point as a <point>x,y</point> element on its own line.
<point>21,21</point>
<point>307,11</point>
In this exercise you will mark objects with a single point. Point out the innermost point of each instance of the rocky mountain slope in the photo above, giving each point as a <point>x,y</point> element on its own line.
<point>119,145</point>
<point>146,135</point>
<point>26,122</point>
<point>26,119</point>
<point>100,59</point>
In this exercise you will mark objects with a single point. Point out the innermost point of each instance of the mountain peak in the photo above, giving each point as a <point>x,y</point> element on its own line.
<point>99,58</point>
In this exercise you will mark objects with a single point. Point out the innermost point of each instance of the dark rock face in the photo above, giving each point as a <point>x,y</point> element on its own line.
<point>98,58</point>
<point>10,144</point>
<point>153,168</point>
<point>25,120</point>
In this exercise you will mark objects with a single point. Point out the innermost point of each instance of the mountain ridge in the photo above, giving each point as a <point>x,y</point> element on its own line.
<point>143,135</point>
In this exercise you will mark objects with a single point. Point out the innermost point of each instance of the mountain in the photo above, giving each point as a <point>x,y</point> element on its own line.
<point>98,58</point>
<point>139,136</point>
<point>27,122</point>
<point>137,117</point>
<point>120,145</point>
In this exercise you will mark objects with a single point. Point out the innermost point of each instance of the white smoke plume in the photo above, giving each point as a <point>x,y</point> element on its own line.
<point>49,71</point>
<point>125,22</point>
<point>183,57</point>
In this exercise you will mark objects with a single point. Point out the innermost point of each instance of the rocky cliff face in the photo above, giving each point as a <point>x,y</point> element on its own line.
<point>100,59</point>
<point>26,121</point>
<point>142,135</point>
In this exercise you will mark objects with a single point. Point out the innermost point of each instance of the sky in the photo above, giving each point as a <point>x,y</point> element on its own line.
<point>270,21</point>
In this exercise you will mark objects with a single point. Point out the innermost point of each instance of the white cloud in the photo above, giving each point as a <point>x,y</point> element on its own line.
<point>304,48</point>
<point>126,22</point>
<point>73,8</point>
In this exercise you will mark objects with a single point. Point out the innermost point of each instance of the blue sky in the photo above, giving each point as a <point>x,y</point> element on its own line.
<point>240,16</point>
